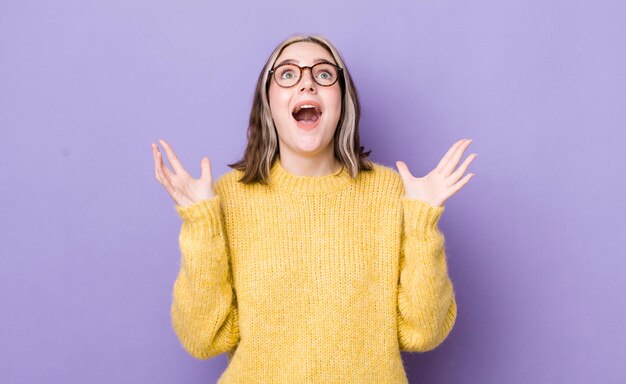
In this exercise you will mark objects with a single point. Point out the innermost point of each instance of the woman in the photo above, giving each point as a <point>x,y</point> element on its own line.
<point>308,263</point>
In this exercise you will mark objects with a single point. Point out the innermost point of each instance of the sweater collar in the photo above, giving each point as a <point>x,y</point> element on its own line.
<point>309,185</point>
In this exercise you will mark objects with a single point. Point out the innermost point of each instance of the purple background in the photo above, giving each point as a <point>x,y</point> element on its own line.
<point>535,241</point>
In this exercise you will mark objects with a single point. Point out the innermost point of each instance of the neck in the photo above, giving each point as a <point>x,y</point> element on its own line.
<point>299,185</point>
<point>320,164</point>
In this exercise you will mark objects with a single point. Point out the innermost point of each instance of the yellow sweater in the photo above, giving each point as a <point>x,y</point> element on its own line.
<point>312,279</point>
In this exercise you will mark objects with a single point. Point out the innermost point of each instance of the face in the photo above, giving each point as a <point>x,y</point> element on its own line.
<point>299,138</point>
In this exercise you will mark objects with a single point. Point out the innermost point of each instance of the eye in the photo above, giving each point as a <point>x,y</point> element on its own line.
<point>325,72</point>
<point>286,73</point>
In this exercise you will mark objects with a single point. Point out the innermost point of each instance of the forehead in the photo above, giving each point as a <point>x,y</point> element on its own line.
<point>304,53</point>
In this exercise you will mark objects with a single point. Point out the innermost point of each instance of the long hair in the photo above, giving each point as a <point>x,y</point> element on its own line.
<point>262,148</point>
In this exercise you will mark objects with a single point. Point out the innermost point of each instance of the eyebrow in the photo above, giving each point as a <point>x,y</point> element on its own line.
<point>296,61</point>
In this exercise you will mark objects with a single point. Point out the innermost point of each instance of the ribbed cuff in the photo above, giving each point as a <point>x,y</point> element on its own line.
<point>421,218</point>
<point>207,212</point>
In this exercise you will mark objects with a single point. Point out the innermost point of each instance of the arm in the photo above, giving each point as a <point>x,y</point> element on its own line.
<point>426,303</point>
<point>204,307</point>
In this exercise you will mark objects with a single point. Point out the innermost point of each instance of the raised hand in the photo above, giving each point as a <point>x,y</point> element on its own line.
<point>184,189</point>
<point>441,183</point>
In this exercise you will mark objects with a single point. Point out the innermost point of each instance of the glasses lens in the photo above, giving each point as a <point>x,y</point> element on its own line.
<point>287,75</point>
<point>325,74</point>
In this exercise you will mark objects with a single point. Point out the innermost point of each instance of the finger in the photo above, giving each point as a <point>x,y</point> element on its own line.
<point>169,188</point>
<point>160,176</point>
<point>171,156</point>
<point>156,162</point>
<point>166,182</point>
<point>456,156</point>
<point>164,169</point>
<point>403,170</point>
<point>456,187</point>
<point>205,164</point>
<point>447,156</point>
<point>456,175</point>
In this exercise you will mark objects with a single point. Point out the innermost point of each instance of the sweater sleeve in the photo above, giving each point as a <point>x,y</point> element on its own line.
<point>204,307</point>
<point>426,303</point>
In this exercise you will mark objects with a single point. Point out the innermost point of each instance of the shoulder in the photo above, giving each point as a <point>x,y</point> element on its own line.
<point>227,181</point>
<point>384,177</point>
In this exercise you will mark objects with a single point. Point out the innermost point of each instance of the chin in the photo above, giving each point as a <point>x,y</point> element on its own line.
<point>309,142</point>
<point>310,146</point>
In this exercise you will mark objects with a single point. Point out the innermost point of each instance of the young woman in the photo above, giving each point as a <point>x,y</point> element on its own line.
<point>308,263</point>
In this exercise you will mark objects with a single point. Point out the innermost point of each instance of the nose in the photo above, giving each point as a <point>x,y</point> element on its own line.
<point>307,82</point>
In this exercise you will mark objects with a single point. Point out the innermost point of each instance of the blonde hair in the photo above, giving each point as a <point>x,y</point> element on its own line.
<point>262,148</point>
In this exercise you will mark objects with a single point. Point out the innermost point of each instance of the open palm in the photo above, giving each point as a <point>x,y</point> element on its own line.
<point>184,189</point>
<point>443,181</point>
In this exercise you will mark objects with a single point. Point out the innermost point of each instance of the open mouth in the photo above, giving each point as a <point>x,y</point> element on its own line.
<point>307,114</point>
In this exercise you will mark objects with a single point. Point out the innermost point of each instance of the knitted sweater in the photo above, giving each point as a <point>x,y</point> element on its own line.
<point>312,279</point>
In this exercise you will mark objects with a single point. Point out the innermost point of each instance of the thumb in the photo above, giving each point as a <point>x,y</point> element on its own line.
<point>206,168</point>
<point>403,169</point>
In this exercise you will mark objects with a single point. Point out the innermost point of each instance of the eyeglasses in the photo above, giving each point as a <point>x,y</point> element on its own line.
<point>287,75</point>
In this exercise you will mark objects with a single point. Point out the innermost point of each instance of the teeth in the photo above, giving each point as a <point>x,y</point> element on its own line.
<point>306,106</point>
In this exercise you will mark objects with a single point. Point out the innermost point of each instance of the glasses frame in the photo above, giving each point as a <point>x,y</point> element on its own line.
<point>272,72</point>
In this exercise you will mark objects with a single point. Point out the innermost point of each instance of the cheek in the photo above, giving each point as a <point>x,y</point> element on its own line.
<point>335,104</point>
<point>279,103</point>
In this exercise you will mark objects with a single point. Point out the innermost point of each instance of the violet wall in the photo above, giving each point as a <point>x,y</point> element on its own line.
<point>536,241</point>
